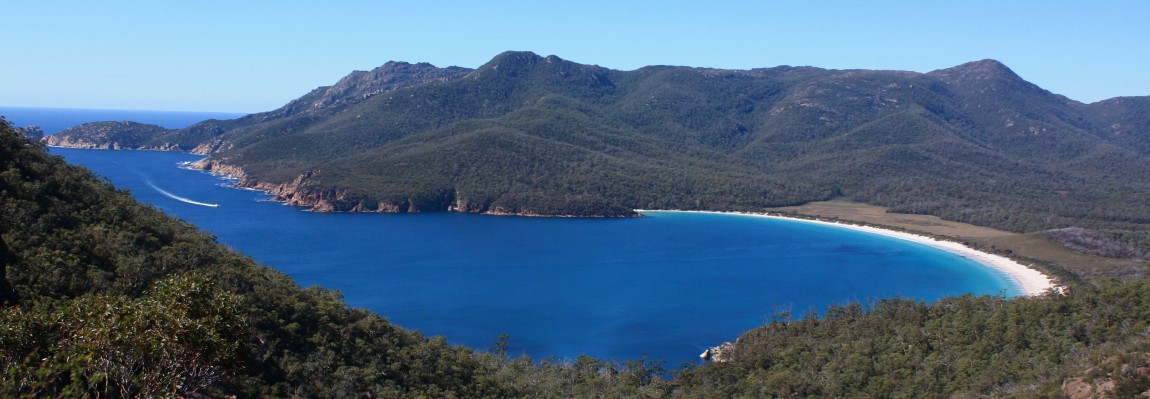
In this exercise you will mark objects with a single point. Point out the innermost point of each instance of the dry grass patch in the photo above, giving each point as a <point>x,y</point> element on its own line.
<point>877,215</point>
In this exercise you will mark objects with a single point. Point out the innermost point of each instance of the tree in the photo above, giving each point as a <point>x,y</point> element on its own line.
<point>178,339</point>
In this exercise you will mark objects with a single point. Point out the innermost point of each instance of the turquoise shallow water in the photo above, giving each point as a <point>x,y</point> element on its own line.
<point>665,286</point>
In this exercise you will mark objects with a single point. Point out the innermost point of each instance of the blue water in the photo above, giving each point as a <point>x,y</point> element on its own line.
<point>53,120</point>
<point>665,286</point>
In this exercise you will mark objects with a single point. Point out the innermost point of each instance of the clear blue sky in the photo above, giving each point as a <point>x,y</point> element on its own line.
<point>251,56</point>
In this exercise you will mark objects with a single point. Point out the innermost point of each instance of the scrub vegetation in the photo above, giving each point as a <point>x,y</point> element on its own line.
<point>106,297</point>
<point>537,135</point>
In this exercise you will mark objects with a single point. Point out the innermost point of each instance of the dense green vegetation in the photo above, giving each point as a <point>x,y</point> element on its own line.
<point>87,272</point>
<point>541,135</point>
<point>963,346</point>
<point>105,297</point>
<point>1111,244</point>
<point>178,338</point>
<point>110,135</point>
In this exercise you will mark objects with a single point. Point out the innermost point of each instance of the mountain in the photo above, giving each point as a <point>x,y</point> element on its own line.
<point>532,135</point>
<point>202,137</point>
<point>1124,121</point>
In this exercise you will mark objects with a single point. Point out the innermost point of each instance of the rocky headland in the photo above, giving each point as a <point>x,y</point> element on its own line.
<point>303,192</point>
<point>122,135</point>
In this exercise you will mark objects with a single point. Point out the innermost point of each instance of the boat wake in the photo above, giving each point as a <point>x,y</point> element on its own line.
<point>179,198</point>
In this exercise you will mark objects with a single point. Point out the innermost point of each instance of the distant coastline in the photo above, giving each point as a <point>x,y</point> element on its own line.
<point>53,120</point>
<point>1030,281</point>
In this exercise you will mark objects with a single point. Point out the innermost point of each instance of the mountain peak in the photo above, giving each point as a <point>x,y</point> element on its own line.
<point>358,86</point>
<point>518,64</point>
<point>513,63</point>
<point>987,69</point>
<point>512,55</point>
<point>513,59</point>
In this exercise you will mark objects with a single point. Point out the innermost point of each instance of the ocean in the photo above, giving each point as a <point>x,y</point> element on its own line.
<point>662,287</point>
<point>53,120</point>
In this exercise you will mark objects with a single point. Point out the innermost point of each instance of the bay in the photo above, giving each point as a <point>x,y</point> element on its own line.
<point>665,286</point>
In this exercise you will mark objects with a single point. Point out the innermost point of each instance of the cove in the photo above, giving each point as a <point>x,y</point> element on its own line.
<point>665,286</point>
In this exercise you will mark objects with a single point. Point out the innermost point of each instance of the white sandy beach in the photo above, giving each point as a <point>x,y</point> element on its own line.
<point>1028,280</point>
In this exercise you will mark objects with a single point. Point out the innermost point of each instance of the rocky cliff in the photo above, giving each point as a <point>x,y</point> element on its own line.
<point>305,192</point>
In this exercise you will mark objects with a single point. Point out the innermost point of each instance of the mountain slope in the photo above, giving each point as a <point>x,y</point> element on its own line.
<point>526,134</point>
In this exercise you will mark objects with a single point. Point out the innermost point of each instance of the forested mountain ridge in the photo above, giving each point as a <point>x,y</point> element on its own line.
<point>525,134</point>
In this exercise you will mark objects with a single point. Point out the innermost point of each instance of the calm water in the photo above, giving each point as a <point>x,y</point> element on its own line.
<point>664,286</point>
<point>53,120</point>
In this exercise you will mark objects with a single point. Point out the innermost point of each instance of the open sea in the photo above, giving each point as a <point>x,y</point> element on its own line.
<point>53,120</point>
<point>665,286</point>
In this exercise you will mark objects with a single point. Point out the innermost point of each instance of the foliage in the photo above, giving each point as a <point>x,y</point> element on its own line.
<point>178,339</point>
<point>110,135</point>
<point>87,272</point>
<point>106,297</point>
<point>541,135</point>
<point>962,346</point>
<point>1111,244</point>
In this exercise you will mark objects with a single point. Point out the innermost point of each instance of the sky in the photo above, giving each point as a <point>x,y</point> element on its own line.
<point>253,56</point>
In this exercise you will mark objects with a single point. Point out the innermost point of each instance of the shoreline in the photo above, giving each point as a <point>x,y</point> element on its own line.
<point>1029,281</point>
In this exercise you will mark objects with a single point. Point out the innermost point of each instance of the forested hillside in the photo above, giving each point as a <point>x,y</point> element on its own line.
<point>525,134</point>
<point>109,135</point>
<point>104,297</point>
<point>1027,347</point>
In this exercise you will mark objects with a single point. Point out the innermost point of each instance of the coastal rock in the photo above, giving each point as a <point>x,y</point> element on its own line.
<point>719,354</point>
<point>303,192</point>
<point>212,146</point>
<point>298,192</point>
<point>219,168</point>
